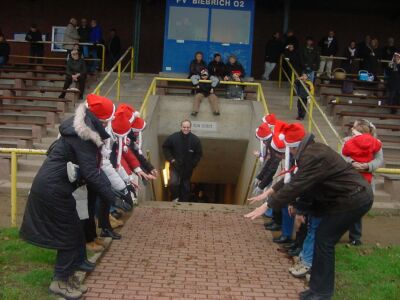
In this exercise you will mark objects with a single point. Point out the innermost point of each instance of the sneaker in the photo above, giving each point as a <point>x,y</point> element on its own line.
<point>64,289</point>
<point>175,200</point>
<point>300,271</point>
<point>295,266</point>
<point>355,243</point>
<point>75,282</point>
<point>308,277</point>
<point>94,247</point>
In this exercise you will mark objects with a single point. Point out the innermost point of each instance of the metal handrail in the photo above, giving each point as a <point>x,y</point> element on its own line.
<point>103,50</point>
<point>14,169</point>
<point>118,66</point>
<point>153,86</point>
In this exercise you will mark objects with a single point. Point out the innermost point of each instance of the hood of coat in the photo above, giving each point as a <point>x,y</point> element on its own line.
<point>84,125</point>
<point>308,139</point>
<point>366,142</point>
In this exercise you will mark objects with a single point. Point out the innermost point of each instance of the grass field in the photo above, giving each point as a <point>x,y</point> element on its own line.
<point>25,270</point>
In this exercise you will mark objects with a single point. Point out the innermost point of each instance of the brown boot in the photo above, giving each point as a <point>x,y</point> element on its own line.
<point>115,223</point>
<point>64,289</point>
<point>94,247</point>
<point>100,242</point>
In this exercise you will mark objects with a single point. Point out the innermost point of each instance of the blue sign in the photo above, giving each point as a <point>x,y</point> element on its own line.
<point>209,26</point>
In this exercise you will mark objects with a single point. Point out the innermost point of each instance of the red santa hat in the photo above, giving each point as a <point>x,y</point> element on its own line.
<point>138,125</point>
<point>292,135</point>
<point>130,111</point>
<point>263,132</point>
<point>277,144</point>
<point>101,107</point>
<point>270,119</point>
<point>236,72</point>
<point>121,125</point>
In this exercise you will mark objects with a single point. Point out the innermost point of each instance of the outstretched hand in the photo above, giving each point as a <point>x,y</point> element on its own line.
<point>255,199</point>
<point>259,211</point>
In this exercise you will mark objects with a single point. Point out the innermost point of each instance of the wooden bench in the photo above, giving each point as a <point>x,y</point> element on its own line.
<point>18,70</point>
<point>32,78</point>
<point>366,115</point>
<point>62,103</point>
<point>72,95</point>
<point>52,113</point>
<point>366,105</point>
<point>39,66</point>
<point>339,86</point>
<point>33,131</point>
<point>20,141</point>
<point>324,97</point>
<point>392,127</point>
<point>31,117</point>
<point>43,125</point>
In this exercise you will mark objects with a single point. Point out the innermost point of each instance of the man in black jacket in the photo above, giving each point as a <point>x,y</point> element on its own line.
<point>113,48</point>
<point>335,191</point>
<point>183,150</point>
<point>217,67</point>
<point>329,47</point>
<point>273,51</point>
<point>84,37</point>
<point>51,219</point>
<point>34,36</point>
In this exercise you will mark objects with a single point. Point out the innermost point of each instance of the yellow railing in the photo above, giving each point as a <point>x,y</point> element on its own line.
<point>118,66</point>
<point>310,111</point>
<point>13,175</point>
<point>102,59</point>
<point>153,89</point>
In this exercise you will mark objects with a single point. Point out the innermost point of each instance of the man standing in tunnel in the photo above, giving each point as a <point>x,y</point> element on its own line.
<point>183,150</point>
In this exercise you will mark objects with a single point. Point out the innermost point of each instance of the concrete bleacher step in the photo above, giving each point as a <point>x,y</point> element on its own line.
<point>23,188</point>
<point>26,176</point>
<point>30,164</point>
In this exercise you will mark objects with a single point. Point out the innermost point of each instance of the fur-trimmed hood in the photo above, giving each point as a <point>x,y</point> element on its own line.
<point>84,125</point>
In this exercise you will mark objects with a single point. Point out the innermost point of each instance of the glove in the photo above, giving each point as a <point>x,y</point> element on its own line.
<point>127,198</point>
<point>256,182</point>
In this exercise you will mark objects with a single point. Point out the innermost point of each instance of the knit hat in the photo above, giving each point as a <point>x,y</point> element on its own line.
<point>130,111</point>
<point>292,135</point>
<point>270,119</point>
<point>101,107</point>
<point>138,125</point>
<point>263,132</point>
<point>236,72</point>
<point>203,72</point>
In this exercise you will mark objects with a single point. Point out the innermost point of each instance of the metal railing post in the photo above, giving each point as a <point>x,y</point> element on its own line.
<point>291,90</point>
<point>310,114</point>
<point>280,72</point>
<point>259,92</point>
<point>13,189</point>
<point>132,61</point>
<point>119,81</point>
<point>103,57</point>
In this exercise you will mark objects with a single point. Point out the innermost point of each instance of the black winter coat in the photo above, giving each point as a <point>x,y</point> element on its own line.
<point>84,34</point>
<point>4,50</point>
<point>309,59</point>
<point>326,50</point>
<point>185,149</point>
<point>328,181</point>
<point>294,59</point>
<point>196,67</point>
<point>273,50</point>
<point>145,165</point>
<point>237,66</point>
<point>291,40</point>
<point>51,219</point>
<point>34,37</point>
<point>269,169</point>
<point>217,69</point>
<point>349,65</point>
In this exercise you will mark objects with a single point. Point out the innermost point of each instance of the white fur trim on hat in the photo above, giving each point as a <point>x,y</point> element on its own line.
<point>275,147</point>
<point>134,116</point>
<point>282,137</point>
<point>264,138</point>
<point>112,115</point>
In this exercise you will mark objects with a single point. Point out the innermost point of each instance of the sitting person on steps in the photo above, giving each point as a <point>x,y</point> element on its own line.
<point>76,72</point>
<point>205,90</point>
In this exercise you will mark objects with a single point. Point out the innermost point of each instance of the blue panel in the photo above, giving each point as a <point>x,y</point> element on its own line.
<point>179,53</point>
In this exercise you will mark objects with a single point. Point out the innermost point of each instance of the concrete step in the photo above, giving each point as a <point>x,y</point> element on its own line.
<point>26,176</point>
<point>33,164</point>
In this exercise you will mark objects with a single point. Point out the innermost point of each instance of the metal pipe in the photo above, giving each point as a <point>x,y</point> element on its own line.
<point>13,189</point>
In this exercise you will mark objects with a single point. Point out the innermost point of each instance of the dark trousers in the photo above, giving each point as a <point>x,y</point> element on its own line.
<point>301,104</point>
<point>103,214</point>
<point>301,234</point>
<point>277,216</point>
<point>37,52</point>
<point>90,224</point>
<point>179,187</point>
<point>355,231</point>
<point>329,232</point>
<point>81,83</point>
<point>66,262</point>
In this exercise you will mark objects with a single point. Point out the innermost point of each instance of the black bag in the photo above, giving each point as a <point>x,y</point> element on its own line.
<point>347,87</point>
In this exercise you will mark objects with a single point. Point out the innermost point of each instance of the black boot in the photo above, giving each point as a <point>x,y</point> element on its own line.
<point>105,232</point>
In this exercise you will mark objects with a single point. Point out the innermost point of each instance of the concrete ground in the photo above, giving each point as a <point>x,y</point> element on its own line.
<point>193,251</point>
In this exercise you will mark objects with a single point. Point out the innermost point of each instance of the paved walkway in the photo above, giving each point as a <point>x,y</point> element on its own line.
<point>198,251</point>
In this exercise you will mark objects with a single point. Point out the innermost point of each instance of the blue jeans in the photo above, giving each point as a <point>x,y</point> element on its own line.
<point>269,213</point>
<point>287,223</point>
<point>94,63</point>
<point>2,61</point>
<point>307,253</point>
<point>85,51</point>
<point>311,75</point>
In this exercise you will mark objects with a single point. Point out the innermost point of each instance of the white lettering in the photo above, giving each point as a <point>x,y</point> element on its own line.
<point>211,2</point>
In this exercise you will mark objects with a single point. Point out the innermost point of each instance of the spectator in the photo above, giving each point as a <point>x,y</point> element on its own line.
<point>351,53</point>
<point>292,56</point>
<point>363,49</point>
<point>371,58</point>
<point>84,34</point>
<point>51,219</point>
<point>34,36</point>
<point>113,48</point>
<point>183,150</point>
<point>197,64</point>
<point>96,37</point>
<point>310,59</point>
<point>273,51</point>
<point>217,67</point>
<point>329,47</point>
<point>205,90</point>
<point>233,67</point>
<point>76,72</point>
<point>75,47</point>
<point>340,196</point>
<point>71,36</point>
<point>389,50</point>
<point>4,51</point>
<point>303,95</point>
<point>364,152</point>
<point>291,39</point>
<point>393,72</point>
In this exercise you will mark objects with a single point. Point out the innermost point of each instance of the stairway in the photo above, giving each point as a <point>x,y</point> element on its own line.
<point>278,103</point>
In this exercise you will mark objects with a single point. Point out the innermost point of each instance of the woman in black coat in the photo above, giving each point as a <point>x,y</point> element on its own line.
<point>197,64</point>
<point>50,219</point>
